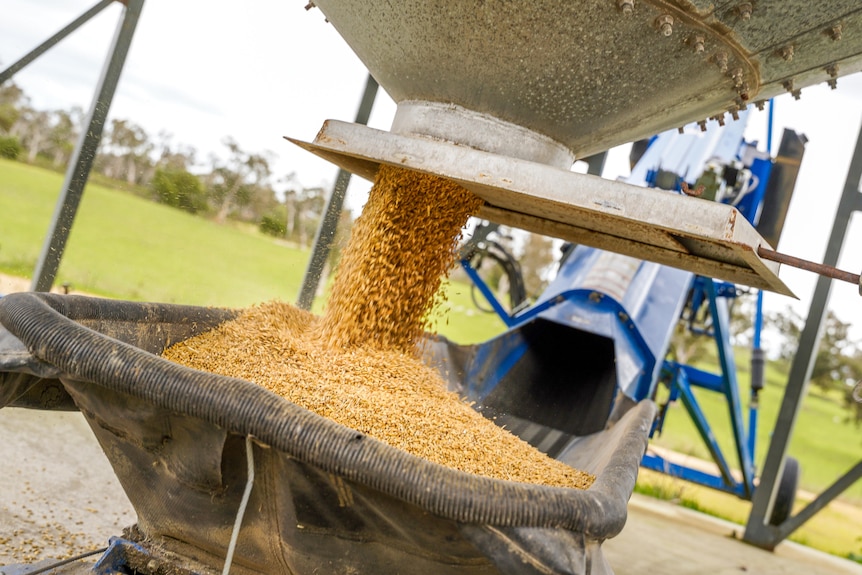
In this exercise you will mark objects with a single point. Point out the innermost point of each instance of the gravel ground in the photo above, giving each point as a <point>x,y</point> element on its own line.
<point>58,494</point>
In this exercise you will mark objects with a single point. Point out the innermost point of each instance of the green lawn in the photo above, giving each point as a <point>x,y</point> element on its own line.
<point>125,247</point>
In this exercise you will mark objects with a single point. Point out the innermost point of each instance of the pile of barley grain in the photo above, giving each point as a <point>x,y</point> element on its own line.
<point>386,394</point>
<point>356,365</point>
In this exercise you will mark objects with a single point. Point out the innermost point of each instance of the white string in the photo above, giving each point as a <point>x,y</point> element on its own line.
<point>249,455</point>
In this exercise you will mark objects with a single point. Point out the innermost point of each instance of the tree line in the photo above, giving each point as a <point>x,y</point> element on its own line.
<point>238,185</point>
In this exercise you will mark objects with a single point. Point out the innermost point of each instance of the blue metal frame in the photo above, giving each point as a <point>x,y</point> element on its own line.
<point>683,380</point>
<point>638,321</point>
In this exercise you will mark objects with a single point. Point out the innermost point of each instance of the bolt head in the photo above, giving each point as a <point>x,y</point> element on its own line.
<point>721,60</point>
<point>665,24</point>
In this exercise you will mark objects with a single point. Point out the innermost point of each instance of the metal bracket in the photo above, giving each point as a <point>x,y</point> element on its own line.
<point>696,235</point>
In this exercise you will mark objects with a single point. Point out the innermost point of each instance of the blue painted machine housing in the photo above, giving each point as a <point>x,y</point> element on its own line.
<point>600,329</point>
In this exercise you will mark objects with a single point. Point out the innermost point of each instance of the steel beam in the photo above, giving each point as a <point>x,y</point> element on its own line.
<point>841,484</point>
<point>332,212</point>
<point>53,40</point>
<point>758,531</point>
<point>82,159</point>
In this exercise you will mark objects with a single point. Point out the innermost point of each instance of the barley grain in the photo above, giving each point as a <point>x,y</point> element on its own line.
<point>356,365</point>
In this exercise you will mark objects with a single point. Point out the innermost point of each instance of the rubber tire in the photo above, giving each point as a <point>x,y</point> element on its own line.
<point>786,494</point>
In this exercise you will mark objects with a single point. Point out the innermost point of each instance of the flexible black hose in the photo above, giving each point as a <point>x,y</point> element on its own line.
<point>44,322</point>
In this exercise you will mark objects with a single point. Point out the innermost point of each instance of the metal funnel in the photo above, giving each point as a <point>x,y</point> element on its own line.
<point>547,80</point>
<point>538,84</point>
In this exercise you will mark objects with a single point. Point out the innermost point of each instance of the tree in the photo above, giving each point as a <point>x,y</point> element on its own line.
<point>741,309</point>
<point>64,132</point>
<point>853,401</point>
<point>234,182</point>
<point>536,262</point>
<point>11,97</point>
<point>690,343</point>
<point>305,207</point>
<point>10,148</point>
<point>33,127</point>
<point>180,189</point>
<point>131,146</point>
<point>838,364</point>
<point>179,157</point>
<point>788,326</point>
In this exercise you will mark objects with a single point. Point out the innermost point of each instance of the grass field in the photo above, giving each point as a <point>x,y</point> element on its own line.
<point>125,247</point>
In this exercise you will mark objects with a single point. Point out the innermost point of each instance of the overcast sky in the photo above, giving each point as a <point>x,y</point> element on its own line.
<point>263,69</point>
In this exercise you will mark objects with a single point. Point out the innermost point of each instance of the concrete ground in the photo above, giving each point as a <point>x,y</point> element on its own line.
<point>59,497</point>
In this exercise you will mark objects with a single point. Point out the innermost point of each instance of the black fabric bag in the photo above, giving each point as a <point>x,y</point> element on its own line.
<point>325,498</point>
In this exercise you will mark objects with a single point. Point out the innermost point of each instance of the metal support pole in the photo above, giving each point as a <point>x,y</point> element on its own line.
<point>758,531</point>
<point>332,212</point>
<point>53,40</point>
<point>82,159</point>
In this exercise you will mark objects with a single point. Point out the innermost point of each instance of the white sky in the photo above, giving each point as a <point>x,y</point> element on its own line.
<point>263,69</point>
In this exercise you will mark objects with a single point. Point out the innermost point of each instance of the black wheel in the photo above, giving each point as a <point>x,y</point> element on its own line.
<point>786,492</point>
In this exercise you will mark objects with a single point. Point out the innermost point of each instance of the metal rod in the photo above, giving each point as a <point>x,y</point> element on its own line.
<point>53,40</point>
<point>82,159</point>
<point>821,269</point>
<point>757,530</point>
<point>332,212</point>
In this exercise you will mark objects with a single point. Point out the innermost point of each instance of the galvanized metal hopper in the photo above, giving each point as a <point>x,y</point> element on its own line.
<point>548,82</point>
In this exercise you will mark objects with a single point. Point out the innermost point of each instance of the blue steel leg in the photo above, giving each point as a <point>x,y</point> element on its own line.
<point>721,325</point>
<point>699,419</point>
<point>658,463</point>
<point>753,407</point>
<point>758,362</point>
<point>487,293</point>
